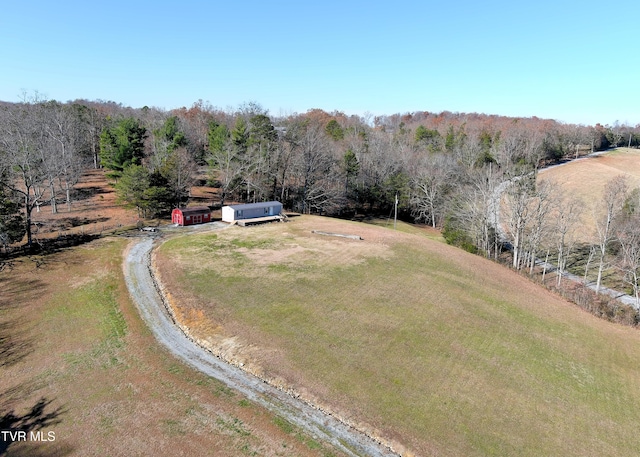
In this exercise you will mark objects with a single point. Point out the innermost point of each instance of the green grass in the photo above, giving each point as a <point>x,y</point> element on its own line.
<point>173,428</point>
<point>93,309</point>
<point>290,429</point>
<point>443,352</point>
<point>284,425</point>
<point>405,227</point>
<point>234,426</point>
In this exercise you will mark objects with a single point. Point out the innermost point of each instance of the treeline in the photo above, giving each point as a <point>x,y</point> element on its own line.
<point>441,167</point>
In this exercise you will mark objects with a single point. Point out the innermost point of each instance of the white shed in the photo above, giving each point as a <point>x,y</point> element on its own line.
<point>265,211</point>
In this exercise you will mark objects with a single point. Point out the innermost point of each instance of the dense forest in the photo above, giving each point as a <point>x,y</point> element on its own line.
<point>441,169</point>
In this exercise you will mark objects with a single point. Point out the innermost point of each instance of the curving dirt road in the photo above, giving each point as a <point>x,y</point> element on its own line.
<point>151,305</point>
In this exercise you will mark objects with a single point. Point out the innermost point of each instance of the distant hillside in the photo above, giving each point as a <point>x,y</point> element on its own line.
<point>586,179</point>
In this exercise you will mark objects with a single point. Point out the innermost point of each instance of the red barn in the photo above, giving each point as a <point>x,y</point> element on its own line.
<point>191,216</point>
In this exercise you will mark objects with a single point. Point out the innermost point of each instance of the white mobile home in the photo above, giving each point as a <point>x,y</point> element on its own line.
<point>265,211</point>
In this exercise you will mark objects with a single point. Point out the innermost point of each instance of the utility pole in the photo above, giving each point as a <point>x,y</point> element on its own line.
<point>395,215</point>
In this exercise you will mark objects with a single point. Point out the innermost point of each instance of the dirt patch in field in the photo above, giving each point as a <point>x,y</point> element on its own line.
<point>296,248</point>
<point>321,249</point>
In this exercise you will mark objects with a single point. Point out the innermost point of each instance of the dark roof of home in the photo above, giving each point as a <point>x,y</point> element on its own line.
<point>255,205</point>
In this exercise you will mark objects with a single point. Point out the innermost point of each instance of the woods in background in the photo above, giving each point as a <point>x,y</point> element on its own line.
<point>448,170</point>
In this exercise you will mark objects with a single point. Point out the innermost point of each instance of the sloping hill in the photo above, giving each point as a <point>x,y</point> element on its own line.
<point>421,343</point>
<point>586,178</point>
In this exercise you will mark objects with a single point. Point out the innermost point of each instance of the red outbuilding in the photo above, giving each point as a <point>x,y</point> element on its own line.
<point>192,215</point>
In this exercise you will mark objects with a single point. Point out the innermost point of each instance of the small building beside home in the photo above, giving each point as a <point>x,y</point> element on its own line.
<point>264,211</point>
<point>192,215</point>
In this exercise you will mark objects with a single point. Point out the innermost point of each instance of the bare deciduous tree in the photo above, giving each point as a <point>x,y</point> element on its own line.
<point>282,162</point>
<point>315,168</point>
<point>22,140</point>
<point>612,201</point>
<point>565,217</point>
<point>629,238</point>
<point>227,168</point>
<point>431,183</point>
<point>67,162</point>
<point>517,211</point>
<point>538,227</point>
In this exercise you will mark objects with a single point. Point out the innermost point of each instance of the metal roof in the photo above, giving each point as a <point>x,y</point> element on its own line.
<point>255,205</point>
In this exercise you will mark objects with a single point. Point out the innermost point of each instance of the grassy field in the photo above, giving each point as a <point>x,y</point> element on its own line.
<point>414,229</point>
<point>77,361</point>
<point>436,349</point>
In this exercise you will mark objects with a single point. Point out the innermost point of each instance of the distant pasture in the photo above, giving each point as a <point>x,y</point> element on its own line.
<point>586,178</point>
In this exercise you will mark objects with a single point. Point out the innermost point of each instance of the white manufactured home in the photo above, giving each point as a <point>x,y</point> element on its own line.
<point>264,211</point>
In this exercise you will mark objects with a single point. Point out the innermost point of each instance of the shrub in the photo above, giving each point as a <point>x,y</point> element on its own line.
<point>456,236</point>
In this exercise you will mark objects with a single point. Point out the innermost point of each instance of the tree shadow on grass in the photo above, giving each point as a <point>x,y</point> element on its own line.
<point>84,193</point>
<point>12,287</point>
<point>15,343</point>
<point>67,223</point>
<point>45,247</point>
<point>53,449</point>
<point>38,418</point>
<point>16,393</point>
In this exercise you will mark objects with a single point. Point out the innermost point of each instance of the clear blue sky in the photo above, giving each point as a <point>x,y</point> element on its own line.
<point>574,61</point>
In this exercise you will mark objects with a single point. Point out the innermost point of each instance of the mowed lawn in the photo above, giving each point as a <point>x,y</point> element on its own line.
<point>78,366</point>
<point>586,179</point>
<point>438,350</point>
